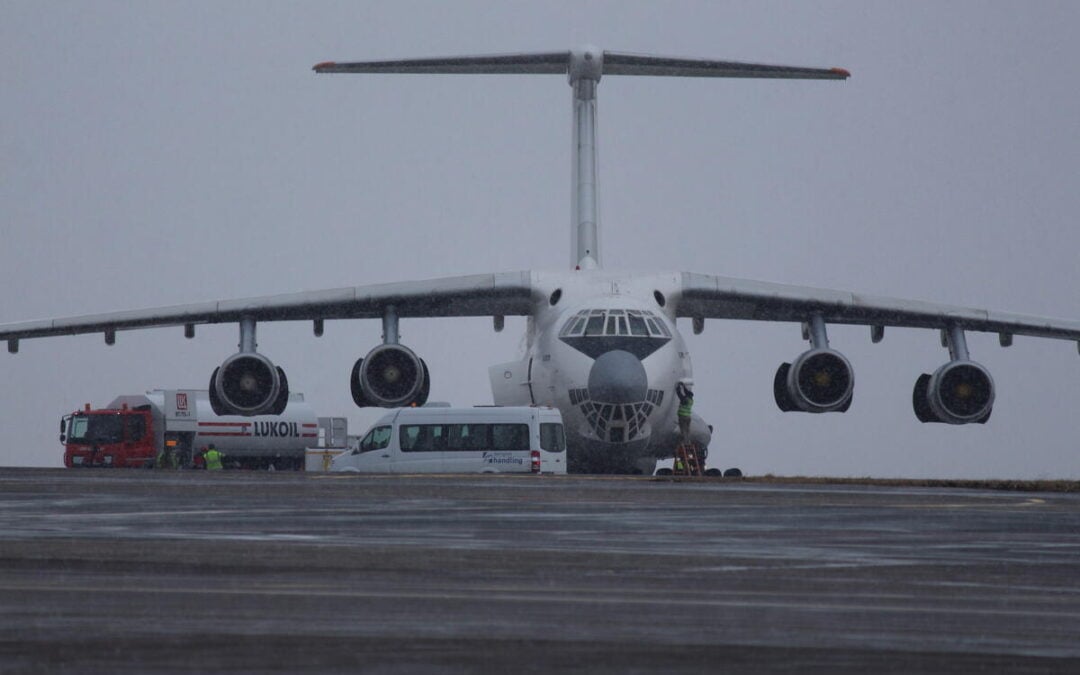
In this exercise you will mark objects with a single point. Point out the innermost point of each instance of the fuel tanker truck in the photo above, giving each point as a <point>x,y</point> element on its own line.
<point>132,431</point>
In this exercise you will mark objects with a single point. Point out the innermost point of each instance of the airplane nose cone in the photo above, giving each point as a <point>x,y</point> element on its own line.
<point>618,377</point>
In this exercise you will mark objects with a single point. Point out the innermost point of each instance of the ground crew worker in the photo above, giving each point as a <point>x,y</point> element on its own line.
<point>686,404</point>
<point>213,459</point>
<point>165,458</point>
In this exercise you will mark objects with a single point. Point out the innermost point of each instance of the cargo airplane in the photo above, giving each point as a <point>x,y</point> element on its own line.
<point>603,347</point>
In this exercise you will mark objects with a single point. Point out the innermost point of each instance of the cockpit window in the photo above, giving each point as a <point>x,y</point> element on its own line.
<point>595,326</point>
<point>615,322</point>
<point>657,328</point>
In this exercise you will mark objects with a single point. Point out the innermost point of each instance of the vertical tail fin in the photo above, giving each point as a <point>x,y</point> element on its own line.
<point>583,68</point>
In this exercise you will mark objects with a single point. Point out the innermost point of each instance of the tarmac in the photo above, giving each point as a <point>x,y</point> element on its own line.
<point>131,571</point>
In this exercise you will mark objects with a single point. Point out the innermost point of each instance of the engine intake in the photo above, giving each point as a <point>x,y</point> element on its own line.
<point>959,392</point>
<point>819,381</point>
<point>390,376</point>
<point>248,384</point>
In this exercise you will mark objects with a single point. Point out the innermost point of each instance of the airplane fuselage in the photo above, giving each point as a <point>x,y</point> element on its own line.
<point>604,349</point>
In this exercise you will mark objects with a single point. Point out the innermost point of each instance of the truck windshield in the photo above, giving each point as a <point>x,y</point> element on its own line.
<point>96,429</point>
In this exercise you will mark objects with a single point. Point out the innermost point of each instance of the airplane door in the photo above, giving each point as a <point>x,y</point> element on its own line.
<point>511,383</point>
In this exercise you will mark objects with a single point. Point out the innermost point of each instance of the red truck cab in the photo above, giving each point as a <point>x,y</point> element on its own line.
<point>108,438</point>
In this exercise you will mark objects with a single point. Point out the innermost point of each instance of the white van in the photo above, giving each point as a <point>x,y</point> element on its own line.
<point>485,439</point>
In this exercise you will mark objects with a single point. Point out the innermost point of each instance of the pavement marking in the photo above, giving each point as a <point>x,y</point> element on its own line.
<point>975,504</point>
<point>486,596</point>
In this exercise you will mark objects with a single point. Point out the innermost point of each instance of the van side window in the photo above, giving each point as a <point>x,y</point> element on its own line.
<point>509,436</point>
<point>408,437</point>
<point>467,437</point>
<point>422,437</point>
<point>552,437</point>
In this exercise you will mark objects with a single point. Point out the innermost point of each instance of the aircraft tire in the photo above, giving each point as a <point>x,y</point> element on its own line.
<point>733,473</point>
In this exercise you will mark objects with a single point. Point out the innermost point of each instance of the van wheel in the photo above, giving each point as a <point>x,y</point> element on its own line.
<point>664,472</point>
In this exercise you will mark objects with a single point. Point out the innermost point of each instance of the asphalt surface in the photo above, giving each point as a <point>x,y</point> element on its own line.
<point>139,571</point>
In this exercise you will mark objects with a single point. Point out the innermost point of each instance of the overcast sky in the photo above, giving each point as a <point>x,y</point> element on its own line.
<point>161,153</point>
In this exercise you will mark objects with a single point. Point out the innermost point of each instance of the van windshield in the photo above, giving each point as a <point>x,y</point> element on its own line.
<point>552,437</point>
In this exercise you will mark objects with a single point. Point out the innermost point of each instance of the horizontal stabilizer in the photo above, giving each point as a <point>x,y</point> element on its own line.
<point>552,63</point>
<point>612,63</point>
<point>618,63</point>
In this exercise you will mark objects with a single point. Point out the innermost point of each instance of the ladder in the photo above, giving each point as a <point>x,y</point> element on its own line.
<point>688,460</point>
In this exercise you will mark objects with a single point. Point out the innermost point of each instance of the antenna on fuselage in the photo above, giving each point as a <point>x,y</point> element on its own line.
<point>583,68</point>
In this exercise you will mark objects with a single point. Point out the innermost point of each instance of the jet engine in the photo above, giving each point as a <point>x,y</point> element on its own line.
<point>390,376</point>
<point>248,384</point>
<point>959,392</point>
<point>820,380</point>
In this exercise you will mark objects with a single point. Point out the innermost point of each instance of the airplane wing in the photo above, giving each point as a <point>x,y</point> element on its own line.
<point>499,294</point>
<point>714,297</point>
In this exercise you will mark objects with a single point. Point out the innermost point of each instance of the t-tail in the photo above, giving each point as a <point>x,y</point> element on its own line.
<point>583,68</point>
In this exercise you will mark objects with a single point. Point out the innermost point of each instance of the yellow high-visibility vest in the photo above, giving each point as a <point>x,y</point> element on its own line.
<point>213,460</point>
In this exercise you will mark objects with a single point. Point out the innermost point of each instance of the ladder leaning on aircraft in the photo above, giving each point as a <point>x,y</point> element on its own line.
<point>603,347</point>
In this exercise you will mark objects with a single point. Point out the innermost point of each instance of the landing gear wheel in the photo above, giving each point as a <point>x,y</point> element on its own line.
<point>733,473</point>
<point>714,473</point>
<point>664,472</point>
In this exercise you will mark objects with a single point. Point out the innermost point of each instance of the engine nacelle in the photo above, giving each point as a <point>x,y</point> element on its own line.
<point>248,384</point>
<point>390,376</point>
<point>819,381</point>
<point>959,392</point>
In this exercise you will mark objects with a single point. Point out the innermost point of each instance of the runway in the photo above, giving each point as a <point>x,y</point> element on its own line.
<point>139,571</point>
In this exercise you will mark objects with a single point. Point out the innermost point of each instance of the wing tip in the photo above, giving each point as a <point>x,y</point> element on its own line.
<point>842,72</point>
<point>325,65</point>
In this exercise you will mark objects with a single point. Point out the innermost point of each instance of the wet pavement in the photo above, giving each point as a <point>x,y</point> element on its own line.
<point>138,571</point>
